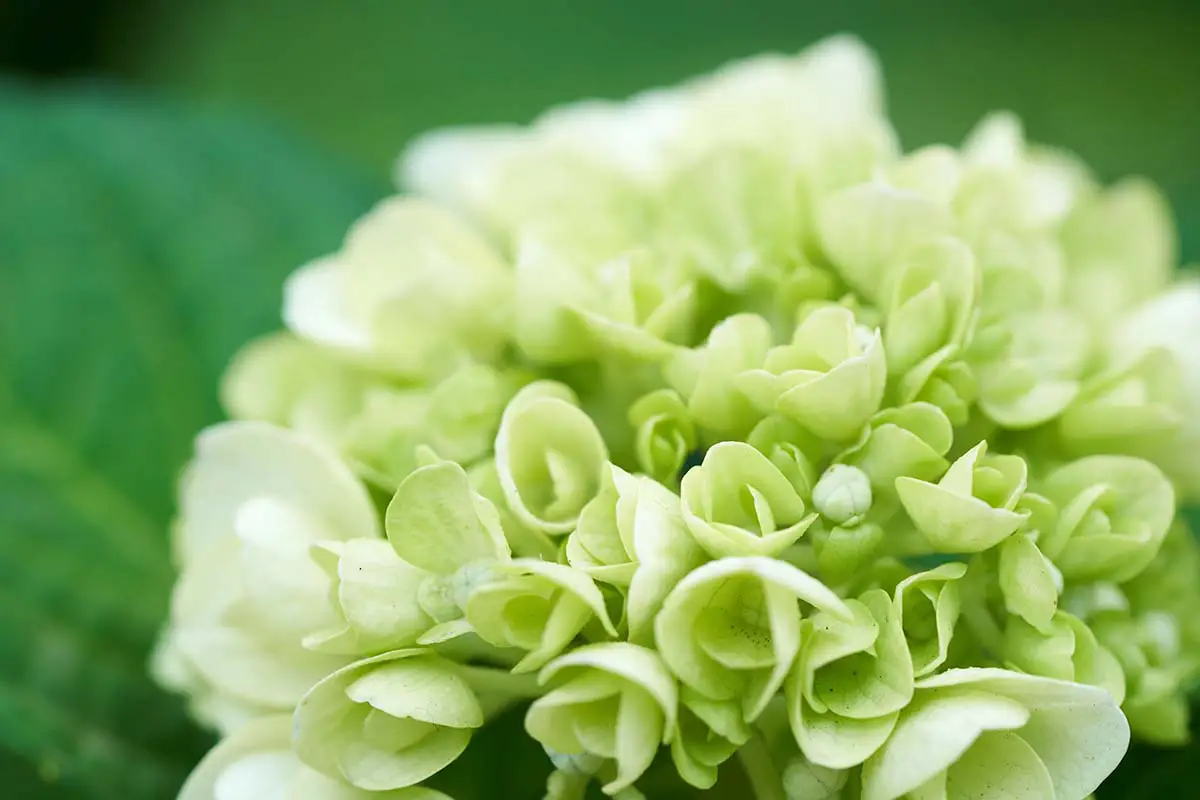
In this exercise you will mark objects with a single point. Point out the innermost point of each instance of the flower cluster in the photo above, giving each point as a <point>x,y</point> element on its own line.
<point>716,426</point>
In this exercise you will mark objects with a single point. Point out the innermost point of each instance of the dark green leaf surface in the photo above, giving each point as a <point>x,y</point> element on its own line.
<point>139,246</point>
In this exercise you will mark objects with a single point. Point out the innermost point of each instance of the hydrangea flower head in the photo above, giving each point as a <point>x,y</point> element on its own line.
<point>713,426</point>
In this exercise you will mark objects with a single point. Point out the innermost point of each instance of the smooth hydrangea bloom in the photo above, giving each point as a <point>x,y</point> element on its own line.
<point>767,446</point>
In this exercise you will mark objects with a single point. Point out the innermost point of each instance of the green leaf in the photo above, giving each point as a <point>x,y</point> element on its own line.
<point>142,245</point>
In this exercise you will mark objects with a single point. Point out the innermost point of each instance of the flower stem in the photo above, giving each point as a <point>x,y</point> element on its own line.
<point>760,769</point>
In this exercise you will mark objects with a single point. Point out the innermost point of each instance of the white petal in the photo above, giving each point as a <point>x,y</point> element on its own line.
<point>316,308</point>
<point>237,462</point>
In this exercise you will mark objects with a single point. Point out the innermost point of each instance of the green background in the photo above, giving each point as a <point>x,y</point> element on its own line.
<point>163,164</point>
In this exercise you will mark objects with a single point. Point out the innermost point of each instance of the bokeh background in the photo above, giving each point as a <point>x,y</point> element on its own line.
<point>164,163</point>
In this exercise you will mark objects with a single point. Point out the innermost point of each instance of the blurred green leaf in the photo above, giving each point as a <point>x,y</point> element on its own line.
<point>139,246</point>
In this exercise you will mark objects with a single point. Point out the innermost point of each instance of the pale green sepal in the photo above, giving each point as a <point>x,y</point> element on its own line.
<point>706,375</point>
<point>928,606</point>
<point>698,747</point>
<point>524,541</point>
<point>664,434</point>
<point>386,722</point>
<point>791,448</point>
<point>259,755</point>
<point>537,606</point>
<point>634,308</point>
<point>738,503</point>
<point>618,702</point>
<point>1115,512</point>
<point>837,742</point>
<point>864,228</point>
<point>971,508</point>
<point>1076,732</point>
<point>633,536</point>
<point>731,628</point>
<point>1029,581</point>
<point>830,378</point>
<point>438,523</point>
<point>548,283</point>
<point>444,632</point>
<point>550,457</point>
<point>906,441</point>
<point>732,215</point>
<point>850,682</point>
<point>375,594</point>
<point>841,552</point>
<point>1067,650</point>
<point>931,303</point>
<point>804,780</point>
<point>1037,374</point>
<point>1119,409</point>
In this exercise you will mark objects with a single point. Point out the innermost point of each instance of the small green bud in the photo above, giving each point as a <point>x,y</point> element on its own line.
<point>843,495</point>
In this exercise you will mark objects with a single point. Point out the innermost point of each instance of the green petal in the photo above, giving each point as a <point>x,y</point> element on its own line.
<point>569,580</point>
<point>550,457</point>
<point>705,376</point>
<point>937,591</point>
<point>933,734</point>
<point>322,714</point>
<point>376,770</point>
<point>733,215</point>
<point>697,595</point>
<point>1137,501</point>
<point>909,440</point>
<point>836,742</point>
<point>1078,731</point>
<point>236,462</point>
<point>865,227</point>
<point>418,688</point>
<point>953,517</point>
<point>1000,765</point>
<point>665,433</point>
<point>437,522</point>
<point>638,739</point>
<point>932,302</point>
<point>665,552</point>
<point>738,503</point>
<point>637,665</point>
<point>377,593</point>
<point>1029,581</point>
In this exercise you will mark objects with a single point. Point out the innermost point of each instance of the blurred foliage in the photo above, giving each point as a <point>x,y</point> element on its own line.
<point>142,243</point>
<point>1115,80</point>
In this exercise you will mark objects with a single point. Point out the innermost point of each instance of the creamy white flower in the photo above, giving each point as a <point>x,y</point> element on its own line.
<point>252,503</point>
<point>413,291</point>
<point>1170,322</point>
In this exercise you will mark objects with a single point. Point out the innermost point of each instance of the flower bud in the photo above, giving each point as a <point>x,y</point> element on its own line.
<point>843,495</point>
